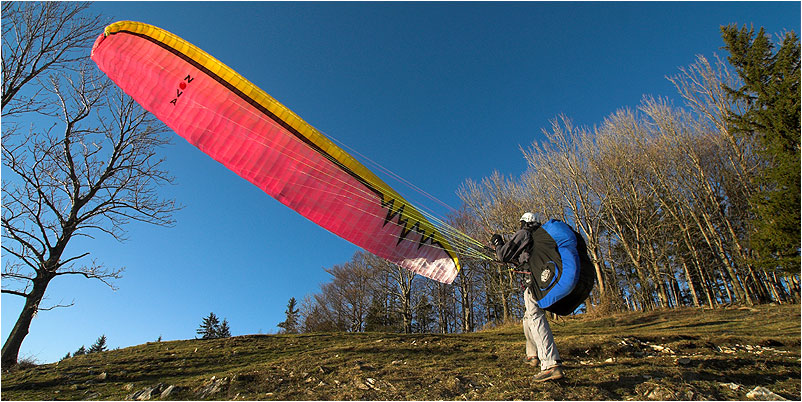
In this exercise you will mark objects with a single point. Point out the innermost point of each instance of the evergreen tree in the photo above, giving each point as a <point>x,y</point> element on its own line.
<point>209,327</point>
<point>424,315</point>
<point>771,94</point>
<point>290,325</point>
<point>223,331</point>
<point>99,345</point>
<point>80,351</point>
<point>66,357</point>
<point>376,317</point>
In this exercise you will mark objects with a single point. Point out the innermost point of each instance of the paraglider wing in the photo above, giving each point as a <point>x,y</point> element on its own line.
<point>245,129</point>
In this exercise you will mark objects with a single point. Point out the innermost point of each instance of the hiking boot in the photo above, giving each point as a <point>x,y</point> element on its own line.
<point>532,361</point>
<point>553,373</point>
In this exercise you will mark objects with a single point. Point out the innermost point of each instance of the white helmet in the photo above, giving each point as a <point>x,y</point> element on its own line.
<point>528,217</point>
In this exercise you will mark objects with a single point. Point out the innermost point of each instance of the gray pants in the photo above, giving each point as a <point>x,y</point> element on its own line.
<point>539,339</point>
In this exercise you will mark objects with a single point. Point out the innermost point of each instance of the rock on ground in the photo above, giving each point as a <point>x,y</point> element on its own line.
<point>764,394</point>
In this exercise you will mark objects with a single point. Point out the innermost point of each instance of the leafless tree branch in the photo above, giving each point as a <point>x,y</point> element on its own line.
<point>38,37</point>
<point>87,163</point>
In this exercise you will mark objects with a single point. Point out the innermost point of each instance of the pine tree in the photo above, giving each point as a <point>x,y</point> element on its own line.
<point>99,345</point>
<point>424,315</point>
<point>376,317</point>
<point>209,327</point>
<point>290,325</point>
<point>771,94</point>
<point>223,331</point>
<point>66,357</point>
<point>81,351</point>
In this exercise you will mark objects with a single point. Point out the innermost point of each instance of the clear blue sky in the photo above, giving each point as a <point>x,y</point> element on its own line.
<point>435,92</point>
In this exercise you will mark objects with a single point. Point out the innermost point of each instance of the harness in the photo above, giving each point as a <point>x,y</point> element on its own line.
<point>559,273</point>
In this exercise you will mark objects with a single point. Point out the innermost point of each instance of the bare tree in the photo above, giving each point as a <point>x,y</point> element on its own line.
<point>497,203</point>
<point>315,317</point>
<point>631,211</point>
<point>560,168</point>
<point>349,295</point>
<point>442,298</point>
<point>398,285</point>
<point>736,161</point>
<point>467,281</point>
<point>663,157</point>
<point>93,171</point>
<point>42,36</point>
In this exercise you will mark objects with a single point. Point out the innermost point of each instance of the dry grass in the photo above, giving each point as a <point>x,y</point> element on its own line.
<point>680,354</point>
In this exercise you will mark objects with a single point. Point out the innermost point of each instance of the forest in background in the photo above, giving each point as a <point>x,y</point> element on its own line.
<point>691,205</point>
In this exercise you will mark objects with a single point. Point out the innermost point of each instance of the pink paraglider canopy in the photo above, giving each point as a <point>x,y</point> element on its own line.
<point>245,129</point>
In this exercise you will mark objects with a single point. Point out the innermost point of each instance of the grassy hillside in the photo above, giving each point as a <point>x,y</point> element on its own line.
<point>673,355</point>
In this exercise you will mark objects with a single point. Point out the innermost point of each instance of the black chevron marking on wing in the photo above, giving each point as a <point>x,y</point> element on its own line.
<point>403,221</point>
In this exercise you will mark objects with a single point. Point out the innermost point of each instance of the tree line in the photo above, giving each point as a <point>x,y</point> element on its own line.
<point>210,328</point>
<point>98,346</point>
<point>692,205</point>
<point>368,293</point>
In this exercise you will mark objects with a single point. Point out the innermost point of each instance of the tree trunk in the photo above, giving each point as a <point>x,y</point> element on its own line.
<point>707,285</point>
<point>726,285</point>
<point>505,307</point>
<point>759,277</point>
<point>777,284</point>
<point>677,292</point>
<point>505,296</point>
<point>406,311</point>
<point>645,288</point>
<point>772,287</point>
<point>793,286</point>
<point>691,286</point>
<point>662,292</point>
<point>467,308</point>
<point>599,277</point>
<point>20,331</point>
<point>793,289</point>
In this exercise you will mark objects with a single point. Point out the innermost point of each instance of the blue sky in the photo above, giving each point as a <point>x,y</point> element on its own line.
<point>435,92</point>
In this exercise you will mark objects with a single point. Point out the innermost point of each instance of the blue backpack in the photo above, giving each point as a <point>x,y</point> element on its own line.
<point>561,273</point>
